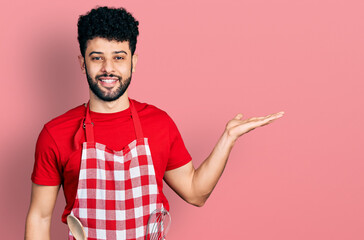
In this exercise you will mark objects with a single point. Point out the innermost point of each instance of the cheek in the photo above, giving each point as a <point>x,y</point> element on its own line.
<point>93,70</point>
<point>124,69</point>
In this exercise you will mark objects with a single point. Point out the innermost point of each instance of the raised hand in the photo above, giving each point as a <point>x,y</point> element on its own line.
<point>196,185</point>
<point>239,126</point>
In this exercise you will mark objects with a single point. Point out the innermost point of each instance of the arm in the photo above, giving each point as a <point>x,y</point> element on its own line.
<point>39,217</point>
<point>196,185</point>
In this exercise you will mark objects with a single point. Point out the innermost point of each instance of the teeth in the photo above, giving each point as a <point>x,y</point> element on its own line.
<point>108,81</point>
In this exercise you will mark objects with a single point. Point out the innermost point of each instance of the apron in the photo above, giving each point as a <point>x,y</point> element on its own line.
<point>117,190</point>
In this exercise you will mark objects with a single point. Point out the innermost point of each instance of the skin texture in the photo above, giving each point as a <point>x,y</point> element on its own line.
<point>38,221</point>
<point>108,57</point>
<point>193,185</point>
<point>196,185</point>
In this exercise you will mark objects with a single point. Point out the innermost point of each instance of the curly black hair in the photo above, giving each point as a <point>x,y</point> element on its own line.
<point>110,23</point>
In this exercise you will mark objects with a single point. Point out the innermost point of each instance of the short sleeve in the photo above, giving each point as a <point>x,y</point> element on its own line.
<point>46,171</point>
<point>178,154</point>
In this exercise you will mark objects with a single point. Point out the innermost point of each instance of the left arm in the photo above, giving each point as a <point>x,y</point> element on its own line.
<point>196,185</point>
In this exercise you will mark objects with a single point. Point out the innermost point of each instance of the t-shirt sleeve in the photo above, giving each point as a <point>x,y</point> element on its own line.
<point>178,155</point>
<point>45,171</point>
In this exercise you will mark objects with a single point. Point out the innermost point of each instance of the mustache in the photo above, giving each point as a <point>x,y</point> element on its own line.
<point>108,75</point>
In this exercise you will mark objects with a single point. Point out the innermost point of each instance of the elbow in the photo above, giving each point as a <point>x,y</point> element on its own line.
<point>198,201</point>
<point>199,204</point>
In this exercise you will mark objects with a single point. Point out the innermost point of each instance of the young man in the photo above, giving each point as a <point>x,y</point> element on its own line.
<point>111,154</point>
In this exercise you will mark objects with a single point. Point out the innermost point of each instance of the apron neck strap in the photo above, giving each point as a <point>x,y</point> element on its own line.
<point>88,124</point>
<point>136,121</point>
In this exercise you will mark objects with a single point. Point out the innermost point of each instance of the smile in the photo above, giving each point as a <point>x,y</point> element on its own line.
<point>108,80</point>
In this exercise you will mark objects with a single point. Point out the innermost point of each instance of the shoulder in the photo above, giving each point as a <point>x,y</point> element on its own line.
<point>156,121</point>
<point>69,120</point>
<point>151,112</point>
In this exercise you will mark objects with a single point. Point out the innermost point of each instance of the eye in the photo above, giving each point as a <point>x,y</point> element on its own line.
<point>119,58</point>
<point>96,58</point>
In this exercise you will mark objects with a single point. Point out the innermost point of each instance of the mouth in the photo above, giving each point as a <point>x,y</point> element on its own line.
<point>108,81</point>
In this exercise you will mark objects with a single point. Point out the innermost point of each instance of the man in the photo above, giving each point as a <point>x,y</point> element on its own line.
<point>112,154</point>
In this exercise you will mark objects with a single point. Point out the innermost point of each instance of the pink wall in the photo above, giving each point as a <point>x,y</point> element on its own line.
<point>204,61</point>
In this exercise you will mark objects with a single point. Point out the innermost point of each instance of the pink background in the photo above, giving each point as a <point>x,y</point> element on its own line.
<point>203,62</point>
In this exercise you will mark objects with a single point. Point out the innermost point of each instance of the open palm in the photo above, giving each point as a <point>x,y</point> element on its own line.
<point>239,126</point>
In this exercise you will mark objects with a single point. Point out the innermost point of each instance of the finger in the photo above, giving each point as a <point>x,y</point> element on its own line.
<point>262,121</point>
<point>239,116</point>
<point>274,115</point>
<point>278,114</point>
<point>255,120</point>
<point>255,124</point>
<point>258,118</point>
<point>271,116</point>
<point>268,120</point>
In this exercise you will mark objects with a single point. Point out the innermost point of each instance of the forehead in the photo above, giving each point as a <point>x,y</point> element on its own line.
<point>106,46</point>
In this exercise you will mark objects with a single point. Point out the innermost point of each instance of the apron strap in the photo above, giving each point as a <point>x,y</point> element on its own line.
<point>136,120</point>
<point>88,125</point>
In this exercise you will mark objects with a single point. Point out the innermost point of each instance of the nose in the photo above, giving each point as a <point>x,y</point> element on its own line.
<point>108,66</point>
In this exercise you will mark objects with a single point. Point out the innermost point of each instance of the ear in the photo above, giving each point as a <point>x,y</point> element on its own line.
<point>81,60</point>
<point>134,61</point>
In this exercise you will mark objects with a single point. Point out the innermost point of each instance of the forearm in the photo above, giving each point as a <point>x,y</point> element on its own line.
<point>195,186</point>
<point>209,172</point>
<point>39,217</point>
<point>37,228</point>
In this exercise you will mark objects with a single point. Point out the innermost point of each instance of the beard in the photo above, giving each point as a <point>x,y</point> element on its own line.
<point>108,96</point>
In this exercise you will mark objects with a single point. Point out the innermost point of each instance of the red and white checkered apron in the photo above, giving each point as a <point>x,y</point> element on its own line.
<point>117,190</point>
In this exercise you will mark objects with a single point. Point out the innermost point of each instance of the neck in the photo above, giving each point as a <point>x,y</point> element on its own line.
<point>100,106</point>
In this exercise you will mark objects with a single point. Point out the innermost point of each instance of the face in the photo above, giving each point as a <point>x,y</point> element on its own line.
<point>108,66</point>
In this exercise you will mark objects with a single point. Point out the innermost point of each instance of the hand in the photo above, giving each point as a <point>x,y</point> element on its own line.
<point>237,126</point>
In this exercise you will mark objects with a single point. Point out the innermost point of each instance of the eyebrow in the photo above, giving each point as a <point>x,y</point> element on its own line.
<point>115,52</point>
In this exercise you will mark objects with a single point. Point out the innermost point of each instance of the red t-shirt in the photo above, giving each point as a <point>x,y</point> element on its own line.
<point>58,152</point>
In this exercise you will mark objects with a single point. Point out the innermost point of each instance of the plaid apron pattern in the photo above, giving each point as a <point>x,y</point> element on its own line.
<point>117,190</point>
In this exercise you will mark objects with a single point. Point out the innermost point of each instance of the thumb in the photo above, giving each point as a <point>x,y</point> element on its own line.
<point>239,116</point>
